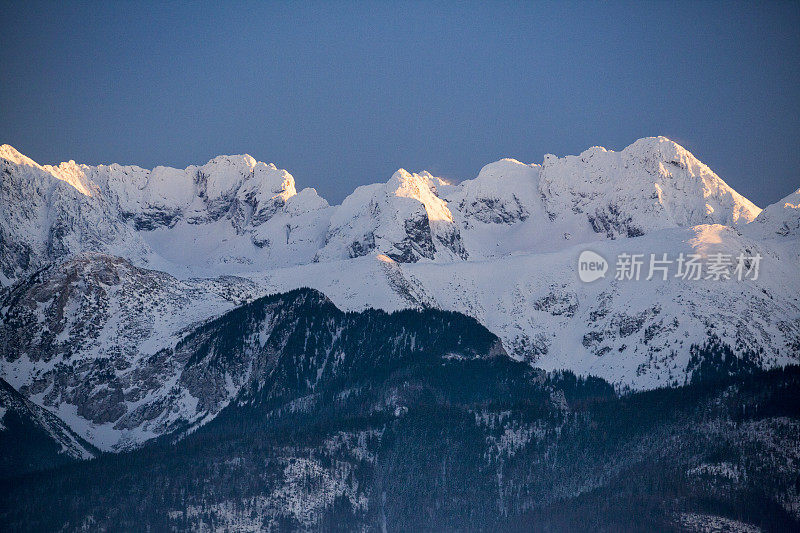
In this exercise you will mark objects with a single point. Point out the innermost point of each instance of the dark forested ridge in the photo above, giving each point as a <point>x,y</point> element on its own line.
<point>418,421</point>
<point>33,439</point>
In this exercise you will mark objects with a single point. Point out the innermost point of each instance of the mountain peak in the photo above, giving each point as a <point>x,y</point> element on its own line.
<point>237,160</point>
<point>664,149</point>
<point>10,153</point>
<point>655,141</point>
<point>504,168</point>
<point>403,180</point>
<point>656,181</point>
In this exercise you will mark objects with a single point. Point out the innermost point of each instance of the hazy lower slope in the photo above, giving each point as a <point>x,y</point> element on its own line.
<point>116,393</point>
<point>441,441</point>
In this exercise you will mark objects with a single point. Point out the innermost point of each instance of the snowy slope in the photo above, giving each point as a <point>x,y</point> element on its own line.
<point>780,221</point>
<point>652,184</point>
<point>632,333</point>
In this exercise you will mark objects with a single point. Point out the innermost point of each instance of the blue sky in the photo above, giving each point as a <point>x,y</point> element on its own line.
<point>343,93</point>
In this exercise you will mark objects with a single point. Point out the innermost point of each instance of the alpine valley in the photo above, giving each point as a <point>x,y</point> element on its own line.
<point>211,349</point>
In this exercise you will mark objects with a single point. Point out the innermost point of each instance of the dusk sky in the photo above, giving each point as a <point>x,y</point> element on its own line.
<point>343,94</point>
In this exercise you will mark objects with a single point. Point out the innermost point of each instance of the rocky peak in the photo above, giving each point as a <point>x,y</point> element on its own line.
<point>403,218</point>
<point>505,192</point>
<point>11,154</point>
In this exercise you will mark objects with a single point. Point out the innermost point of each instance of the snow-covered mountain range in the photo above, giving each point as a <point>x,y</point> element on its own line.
<point>237,214</point>
<point>104,269</point>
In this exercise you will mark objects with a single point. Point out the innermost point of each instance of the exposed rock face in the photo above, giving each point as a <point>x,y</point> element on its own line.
<point>505,192</point>
<point>100,341</point>
<point>88,337</point>
<point>403,219</point>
